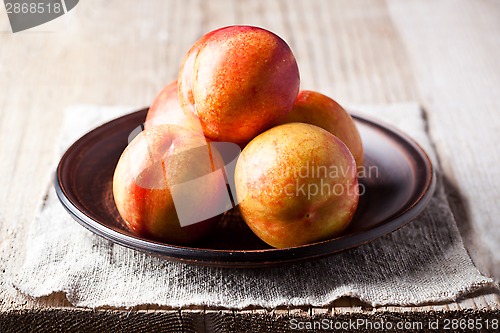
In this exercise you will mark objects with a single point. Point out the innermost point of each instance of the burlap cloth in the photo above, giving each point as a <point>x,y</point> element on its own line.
<point>423,262</point>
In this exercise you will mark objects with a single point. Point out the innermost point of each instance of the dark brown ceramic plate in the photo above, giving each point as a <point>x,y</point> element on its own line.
<point>393,195</point>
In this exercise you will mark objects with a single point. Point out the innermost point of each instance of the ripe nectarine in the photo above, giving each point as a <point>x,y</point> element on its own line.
<point>296,184</point>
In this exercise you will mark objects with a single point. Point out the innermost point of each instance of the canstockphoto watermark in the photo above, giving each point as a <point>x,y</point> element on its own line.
<point>26,14</point>
<point>309,181</point>
<point>190,172</point>
<point>312,180</point>
<point>380,325</point>
<point>354,325</point>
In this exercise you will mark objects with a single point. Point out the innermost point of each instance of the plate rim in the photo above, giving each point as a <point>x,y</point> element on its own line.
<point>253,258</point>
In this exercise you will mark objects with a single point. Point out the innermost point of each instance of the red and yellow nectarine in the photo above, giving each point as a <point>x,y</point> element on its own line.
<point>239,81</point>
<point>168,185</point>
<point>166,109</point>
<point>296,184</point>
<point>317,109</point>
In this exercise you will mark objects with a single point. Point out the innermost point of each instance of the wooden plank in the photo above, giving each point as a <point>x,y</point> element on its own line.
<point>454,50</point>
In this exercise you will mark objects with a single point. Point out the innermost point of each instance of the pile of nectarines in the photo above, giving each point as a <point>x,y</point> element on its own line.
<point>295,182</point>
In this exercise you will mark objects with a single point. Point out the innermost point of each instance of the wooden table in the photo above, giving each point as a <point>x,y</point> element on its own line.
<point>443,54</point>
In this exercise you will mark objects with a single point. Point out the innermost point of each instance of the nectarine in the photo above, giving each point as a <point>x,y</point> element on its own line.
<point>296,184</point>
<point>317,109</point>
<point>239,81</point>
<point>166,109</point>
<point>168,185</point>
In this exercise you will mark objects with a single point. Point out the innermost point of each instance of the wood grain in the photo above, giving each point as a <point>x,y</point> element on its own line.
<point>456,57</point>
<point>444,54</point>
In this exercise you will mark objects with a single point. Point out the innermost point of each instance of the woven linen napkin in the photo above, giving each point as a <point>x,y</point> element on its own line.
<point>423,262</point>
